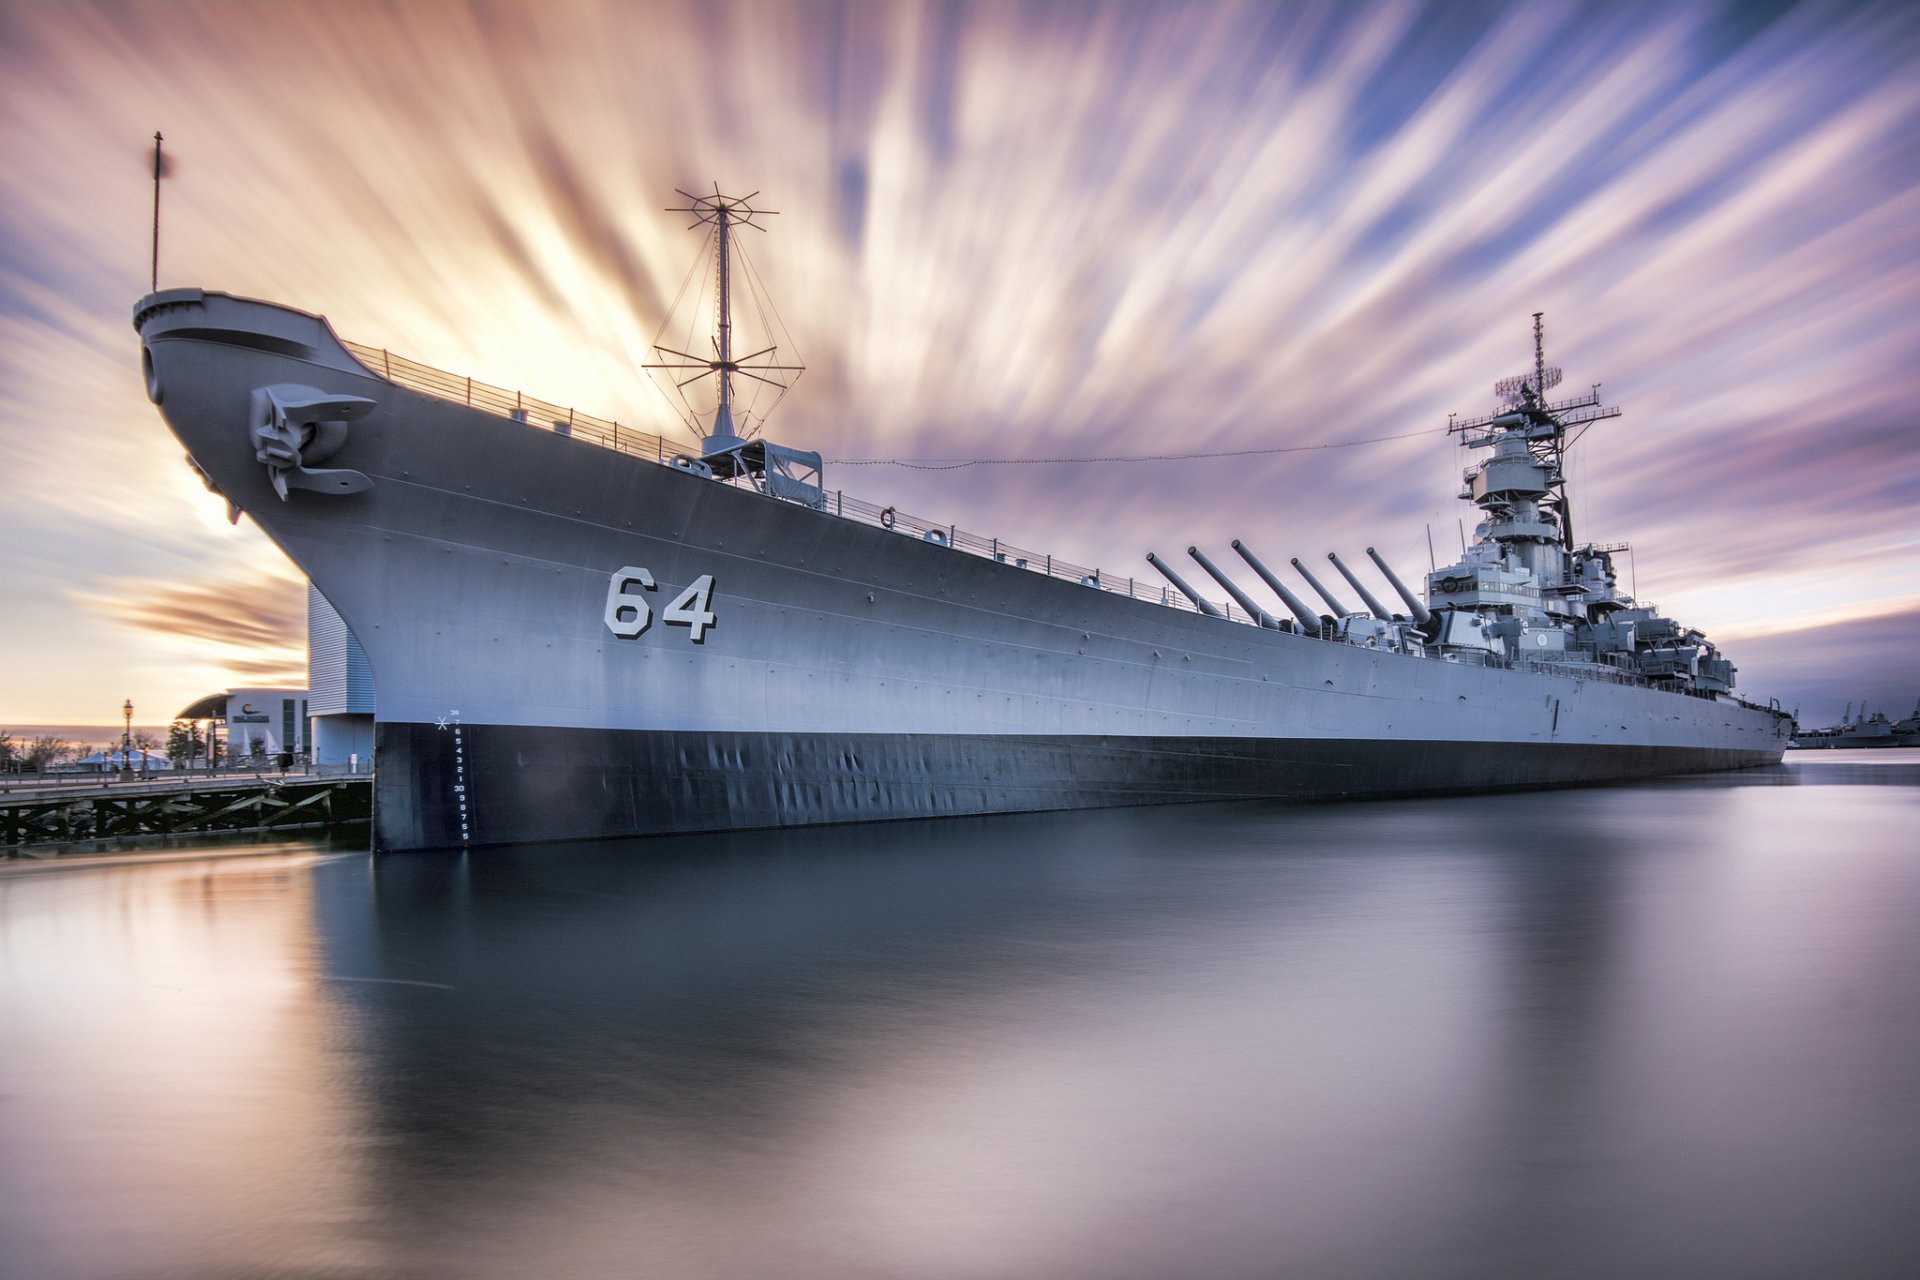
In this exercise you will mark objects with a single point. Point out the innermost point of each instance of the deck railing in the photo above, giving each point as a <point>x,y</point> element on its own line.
<point>565,420</point>
<point>543,414</point>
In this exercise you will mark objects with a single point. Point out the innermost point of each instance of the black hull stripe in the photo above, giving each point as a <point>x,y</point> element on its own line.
<point>532,785</point>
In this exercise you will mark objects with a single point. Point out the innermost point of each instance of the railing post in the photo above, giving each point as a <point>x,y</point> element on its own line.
<point>469,392</point>
<point>1049,566</point>
<point>840,502</point>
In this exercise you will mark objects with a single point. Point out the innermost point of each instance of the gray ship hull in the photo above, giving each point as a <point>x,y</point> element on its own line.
<point>849,672</point>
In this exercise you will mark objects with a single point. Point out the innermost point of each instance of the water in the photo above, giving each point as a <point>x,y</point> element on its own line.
<point>1667,1030</point>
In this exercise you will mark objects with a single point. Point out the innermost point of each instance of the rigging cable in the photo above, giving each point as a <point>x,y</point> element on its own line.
<point>955,464</point>
<point>688,418</point>
<point>763,301</point>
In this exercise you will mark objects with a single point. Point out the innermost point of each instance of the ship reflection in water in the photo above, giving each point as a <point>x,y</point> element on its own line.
<point>1662,1030</point>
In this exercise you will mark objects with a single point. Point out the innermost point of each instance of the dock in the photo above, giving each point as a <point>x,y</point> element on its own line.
<point>35,819</point>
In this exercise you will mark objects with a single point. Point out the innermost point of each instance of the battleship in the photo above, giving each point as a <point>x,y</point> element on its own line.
<point>577,630</point>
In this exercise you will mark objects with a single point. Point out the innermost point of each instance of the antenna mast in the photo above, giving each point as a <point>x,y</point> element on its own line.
<point>722,221</point>
<point>159,167</point>
<point>723,214</point>
<point>1540,357</point>
<point>1559,428</point>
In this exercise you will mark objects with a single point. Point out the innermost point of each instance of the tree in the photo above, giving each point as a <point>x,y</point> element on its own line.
<point>185,745</point>
<point>44,753</point>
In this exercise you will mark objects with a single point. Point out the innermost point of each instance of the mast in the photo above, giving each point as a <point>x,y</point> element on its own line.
<point>1559,428</point>
<point>159,167</point>
<point>724,214</point>
<point>723,222</point>
<point>1540,356</point>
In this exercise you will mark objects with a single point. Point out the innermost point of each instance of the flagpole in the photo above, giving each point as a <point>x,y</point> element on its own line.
<point>156,211</point>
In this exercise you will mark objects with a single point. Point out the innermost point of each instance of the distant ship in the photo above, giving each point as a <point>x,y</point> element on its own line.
<point>578,631</point>
<point>1865,730</point>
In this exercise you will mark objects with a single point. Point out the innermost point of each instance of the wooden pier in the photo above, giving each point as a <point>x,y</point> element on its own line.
<point>30,819</point>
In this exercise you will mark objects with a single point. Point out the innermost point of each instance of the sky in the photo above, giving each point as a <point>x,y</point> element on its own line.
<point>1007,231</point>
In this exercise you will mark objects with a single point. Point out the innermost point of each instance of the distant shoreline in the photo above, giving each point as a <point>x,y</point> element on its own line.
<point>88,734</point>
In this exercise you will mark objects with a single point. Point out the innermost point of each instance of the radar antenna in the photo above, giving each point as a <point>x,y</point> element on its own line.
<point>1513,390</point>
<point>1544,426</point>
<point>724,213</point>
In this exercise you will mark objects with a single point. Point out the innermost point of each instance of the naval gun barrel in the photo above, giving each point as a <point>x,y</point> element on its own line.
<point>1199,602</point>
<point>1308,618</point>
<point>1232,588</point>
<point>1421,614</point>
<point>1374,607</point>
<point>1339,610</point>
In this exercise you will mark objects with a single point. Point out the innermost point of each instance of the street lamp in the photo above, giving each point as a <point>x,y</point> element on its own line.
<point>126,743</point>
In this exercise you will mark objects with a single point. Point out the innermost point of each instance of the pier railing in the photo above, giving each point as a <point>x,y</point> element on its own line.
<point>609,434</point>
<point>197,806</point>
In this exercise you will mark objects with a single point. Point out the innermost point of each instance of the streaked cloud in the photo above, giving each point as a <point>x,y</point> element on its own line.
<point>1020,231</point>
<point>251,615</point>
<point>246,626</point>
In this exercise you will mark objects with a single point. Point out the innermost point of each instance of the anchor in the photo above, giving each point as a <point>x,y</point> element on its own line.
<point>294,426</point>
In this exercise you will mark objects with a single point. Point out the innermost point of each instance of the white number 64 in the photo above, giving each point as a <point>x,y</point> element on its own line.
<point>628,615</point>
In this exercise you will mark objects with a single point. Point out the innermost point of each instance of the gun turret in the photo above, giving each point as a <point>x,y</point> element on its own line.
<point>1339,610</point>
<point>1232,588</point>
<point>1308,618</point>
<point>1421,614</point>
<point>1200,602</point>
<point>1374,607</point>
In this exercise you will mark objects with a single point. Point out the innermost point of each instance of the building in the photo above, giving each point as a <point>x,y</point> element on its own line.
<point>342,688</point>
<point>255,723</point>
<point>329,723</point>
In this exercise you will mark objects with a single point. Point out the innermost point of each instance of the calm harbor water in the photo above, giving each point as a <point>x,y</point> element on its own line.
<point>1663,1030</point>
